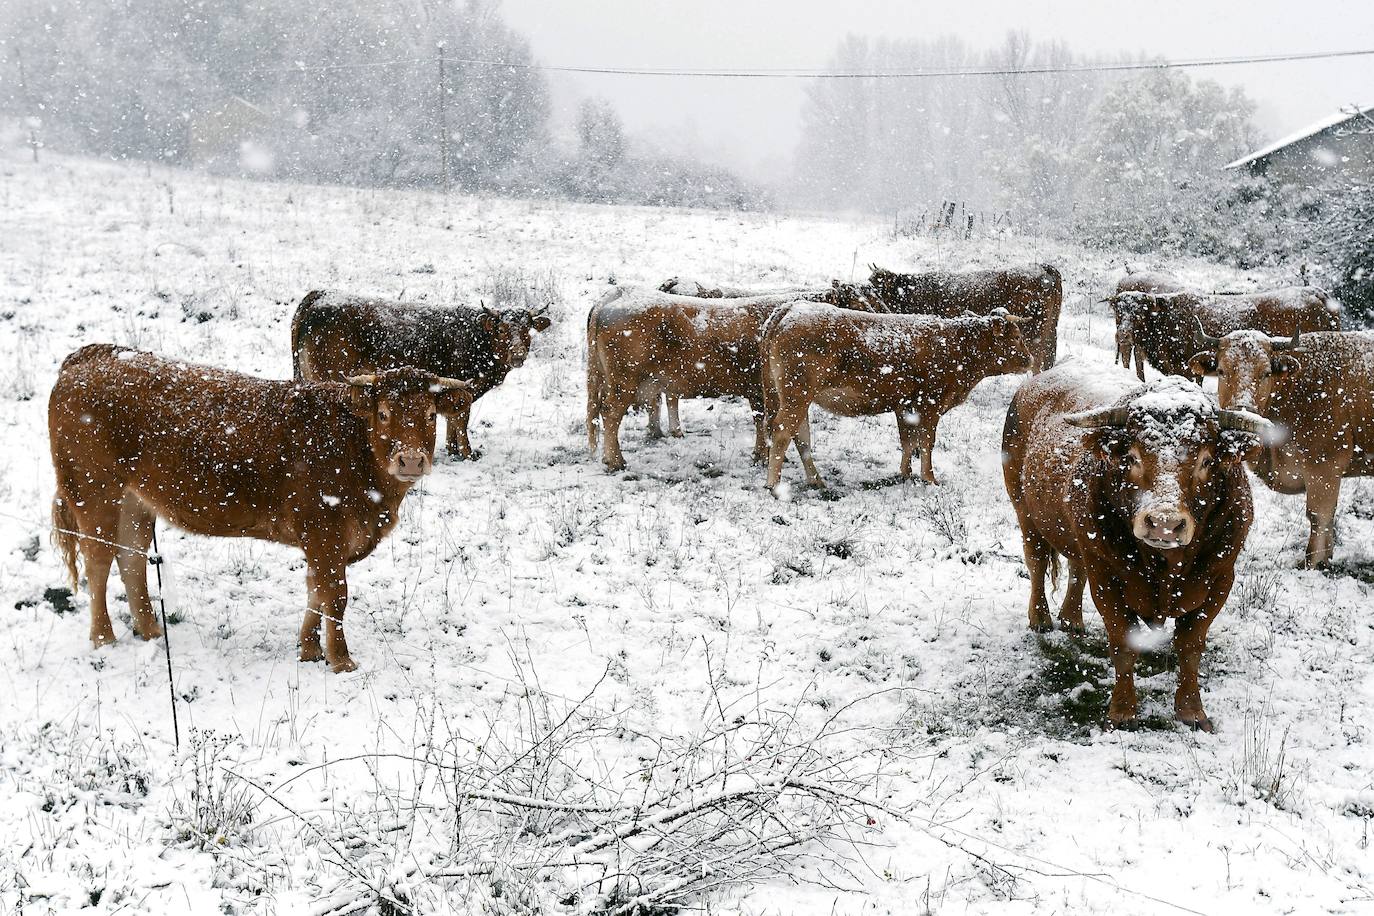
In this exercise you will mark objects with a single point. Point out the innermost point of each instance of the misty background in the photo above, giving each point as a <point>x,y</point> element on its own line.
<point>457,95</point>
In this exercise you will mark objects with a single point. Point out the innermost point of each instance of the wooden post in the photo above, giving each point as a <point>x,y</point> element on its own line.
<point>443,122</point>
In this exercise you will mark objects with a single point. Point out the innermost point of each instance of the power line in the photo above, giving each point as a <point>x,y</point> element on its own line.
<point>792,72</point>
<point>920,73</point>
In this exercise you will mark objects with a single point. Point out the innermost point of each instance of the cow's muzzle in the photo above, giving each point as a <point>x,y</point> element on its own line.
<point>410,465</point>
<point>1164,528</point>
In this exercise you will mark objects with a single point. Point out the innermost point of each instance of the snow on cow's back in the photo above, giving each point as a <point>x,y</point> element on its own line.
<point>879,331</point>
<point>1087,382</point>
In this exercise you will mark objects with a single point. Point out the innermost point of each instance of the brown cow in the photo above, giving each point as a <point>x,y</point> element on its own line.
<point>319,466</point>
<point>1318,390</point>
<point>1165,324</point>
<point>1142,490</point>
<point>858,296</point>
<point>643,344</point>
<point>860,364</point>
<point>1034,291</point>
<point>335,336</point>
<point>1125,307</point>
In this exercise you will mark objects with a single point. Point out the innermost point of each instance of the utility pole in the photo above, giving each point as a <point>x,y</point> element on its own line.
<point>31,120</point>
<point>443,121</point>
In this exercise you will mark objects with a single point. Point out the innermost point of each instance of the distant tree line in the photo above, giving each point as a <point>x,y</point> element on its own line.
<point>347,91</point>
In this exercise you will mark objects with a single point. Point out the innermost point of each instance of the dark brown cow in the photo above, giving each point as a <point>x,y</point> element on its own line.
<point>1142,490</point>
<point>855,364</point>
<point>1165,325</point>
<point>1034,291</point>
<point>858,296</point>
<point>1318,390</point>
<point>319,466</point>
<point>335,336</point>
<point>1124,309</point>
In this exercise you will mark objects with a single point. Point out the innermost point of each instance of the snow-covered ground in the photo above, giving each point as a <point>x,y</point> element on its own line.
<point>885,626</point>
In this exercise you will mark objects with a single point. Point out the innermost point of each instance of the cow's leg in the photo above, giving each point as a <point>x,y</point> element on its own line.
<point>1323,492</point>
<point>655,428</point>
<point>760,431</point>
<point>907,432</point>
<point>1039,556</point>
<point>925,440</point>
<point>786,421</point>
<point>802,439</point>
<point>327,581</point>
<point>311,650</point>
<point>136,523</point>
<point>458,444</point>
<point>1122,708</point>
<point>616,406</point>
<point>1071,611</point>
<point>674,421</point>
<point>96,511</point>
<point>1139,361</point>
<point>1190,638</point>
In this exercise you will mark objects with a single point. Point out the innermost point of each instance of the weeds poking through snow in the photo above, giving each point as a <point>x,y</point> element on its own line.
<point>219,808</point>
<point>942,508</point>
<point>1263,769</point>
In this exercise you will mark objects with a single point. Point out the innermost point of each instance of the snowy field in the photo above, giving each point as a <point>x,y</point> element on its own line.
<point>538,627</point>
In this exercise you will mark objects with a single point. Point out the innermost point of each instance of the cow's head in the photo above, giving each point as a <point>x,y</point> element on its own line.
<point>1011,347</point>
<point>1246,364</point>
<point>510,330</point>
<point>859,297</point>
<point>398,407</point>
<point>1166,454</point>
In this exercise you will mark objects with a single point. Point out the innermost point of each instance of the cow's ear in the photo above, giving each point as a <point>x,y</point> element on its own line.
<point>541,323</point>
<point>488,322</point>
<point>453,400</point>
<point>1203,364</point>
<point>1284,364</point>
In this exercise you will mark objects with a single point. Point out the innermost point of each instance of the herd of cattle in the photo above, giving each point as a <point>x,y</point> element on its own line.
<point>1140,488</point>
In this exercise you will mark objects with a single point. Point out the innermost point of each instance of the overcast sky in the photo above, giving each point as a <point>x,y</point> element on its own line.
<point>753,124</point>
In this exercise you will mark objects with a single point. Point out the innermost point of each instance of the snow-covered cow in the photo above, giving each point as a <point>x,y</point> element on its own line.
<point>319,466</point>
<point>1033,291</point>
<point>917,367</point>
<point>1318,390</point>
<point>336,335</point>
<point>1142,489</point>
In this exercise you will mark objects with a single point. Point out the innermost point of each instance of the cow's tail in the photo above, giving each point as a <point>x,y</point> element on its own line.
<point>1049,329</point>
<point>64,535</point>
<point>770,390</point>
<point>596,370</point>
<point>301,324</point>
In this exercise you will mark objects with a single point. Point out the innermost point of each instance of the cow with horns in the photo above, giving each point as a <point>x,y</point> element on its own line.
<point>1032,291</point>
<point>1141,488</point>
<point>1318,391</point>
<point>338,335</point>
<point>1124,308</point>
<point>1163,325</point>
<point>318,466</point>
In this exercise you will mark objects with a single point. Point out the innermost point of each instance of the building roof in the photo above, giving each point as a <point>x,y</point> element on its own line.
<point>1332,120</point>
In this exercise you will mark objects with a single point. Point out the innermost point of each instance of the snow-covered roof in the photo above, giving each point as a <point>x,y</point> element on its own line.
<point>1331,120</point>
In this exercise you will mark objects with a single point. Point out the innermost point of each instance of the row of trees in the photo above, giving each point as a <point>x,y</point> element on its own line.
<point>349,91</point>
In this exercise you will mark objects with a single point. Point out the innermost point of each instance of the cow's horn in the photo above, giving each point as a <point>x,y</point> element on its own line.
<point>1201,340</point>
<point>488,309</point>
<point>1245,421</point>
<point>1287,343</point>
<point>362,381</point>
<point>451,383</point>
<point>1095,419</point>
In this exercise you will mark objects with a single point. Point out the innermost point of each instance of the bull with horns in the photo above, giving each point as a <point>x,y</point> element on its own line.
<point>1141,489</point>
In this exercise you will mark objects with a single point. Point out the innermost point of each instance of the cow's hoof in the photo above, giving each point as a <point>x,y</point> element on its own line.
<point>102,639</point>
<point>615,467</point>
<point>458,454</point>
<point>312,654</point>
<point>676,433</point>
<point>653,435</point>
<point>1072,627</point>
<point>1042,626</point>
<point>343,665</point>
<point>148,634</point>
<point>1198,721</point>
